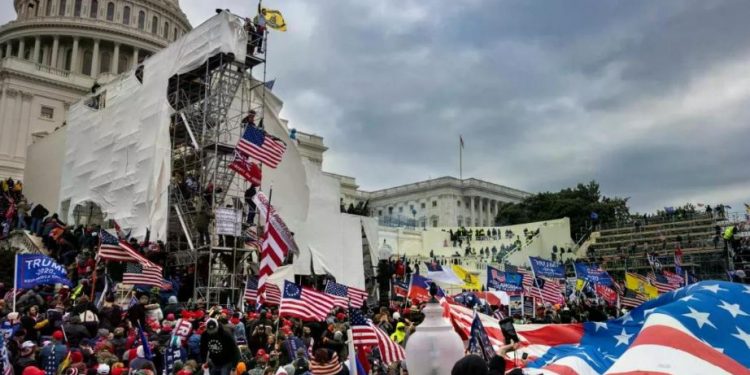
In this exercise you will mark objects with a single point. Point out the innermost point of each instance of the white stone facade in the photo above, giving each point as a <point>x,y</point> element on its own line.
<point>55,50</point>
<point>441,202</point>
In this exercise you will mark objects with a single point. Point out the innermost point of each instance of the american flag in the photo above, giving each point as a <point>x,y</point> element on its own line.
<point>632,301</point>
<point>362,331</point>
<point>277,242</point>
<point>547,290</point>
<point>258,145</point>
<point>110,248</point>
<point>344,295</point>
<point>673,278</point>
<point>701,329</point>
<point>305,303</point>
<point>142,274</point>
<point>251,289</point>
<point>365,333</point>
<point>250,171</point>
<point>273,294</point>
<point>661,283</point>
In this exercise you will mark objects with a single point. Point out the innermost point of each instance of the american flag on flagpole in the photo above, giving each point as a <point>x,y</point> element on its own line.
<point>143,274</point>
<point>345,295</point>
<point>364,333</point>
<point>110,248</point>
<point>257,144</point>
<point>548,290</point>
<point>251,289</point>
<point>660,282</point>
<point>273,294</point>
<point>278,241</point>
<point>305,303</point>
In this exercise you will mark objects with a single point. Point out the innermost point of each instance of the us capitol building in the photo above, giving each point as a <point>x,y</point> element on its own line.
<point>55,50</point>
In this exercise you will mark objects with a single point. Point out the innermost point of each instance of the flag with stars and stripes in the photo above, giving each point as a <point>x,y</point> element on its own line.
<point>346,295</point>
<point>364,333</point>
<point>700,329</point>
<point>143,274</point>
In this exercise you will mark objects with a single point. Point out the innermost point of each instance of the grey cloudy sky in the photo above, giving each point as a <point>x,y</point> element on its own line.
<point>648,98</point>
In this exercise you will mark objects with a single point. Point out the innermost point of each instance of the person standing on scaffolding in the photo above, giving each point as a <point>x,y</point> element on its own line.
<point>249,120</point>
<point>260,28</point>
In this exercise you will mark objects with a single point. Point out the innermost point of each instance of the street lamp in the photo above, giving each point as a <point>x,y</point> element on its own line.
<point>435,347</point>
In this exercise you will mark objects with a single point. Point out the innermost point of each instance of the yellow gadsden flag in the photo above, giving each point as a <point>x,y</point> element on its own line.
<point>274,19</point>
<point>470,281</point>
<point>639,284</point>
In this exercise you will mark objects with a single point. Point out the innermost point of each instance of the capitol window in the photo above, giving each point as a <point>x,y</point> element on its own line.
<point>77,8</point>
<point>111,11</point>
<point>154,25</point>
<point>126,15</point>
<point>141,20</point>
<point>49,8</point>
<point>61,10</point>
<point>47,112</point>
<point>423,205</point>
<point>400,209</point>
<point>94,9</point>
<point>458,203</point>
<point>434,203</point>
<point>166,30</point>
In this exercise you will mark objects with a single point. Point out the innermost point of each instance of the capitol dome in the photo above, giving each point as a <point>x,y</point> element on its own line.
<point>91,37</point>
<point>54,51</point>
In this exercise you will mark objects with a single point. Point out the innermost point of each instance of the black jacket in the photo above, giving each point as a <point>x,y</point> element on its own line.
<point>220,348</point>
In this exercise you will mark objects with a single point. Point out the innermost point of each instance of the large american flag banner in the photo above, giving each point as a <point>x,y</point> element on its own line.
<point>346,295</point>
<point>305,303</point>
<point>257,144</point>
<point>364,333</point>
<point>700,329</point>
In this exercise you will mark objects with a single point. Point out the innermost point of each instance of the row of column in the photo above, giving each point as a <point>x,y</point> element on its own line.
<point>95,68</point>
<point>477,216</point>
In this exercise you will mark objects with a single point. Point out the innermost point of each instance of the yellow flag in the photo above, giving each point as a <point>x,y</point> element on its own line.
<point>470,281</point>
<point>274,19</point>
<point>579,284</point>
<point>639,284</point>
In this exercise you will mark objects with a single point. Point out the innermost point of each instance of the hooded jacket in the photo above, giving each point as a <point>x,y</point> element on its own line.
<point>400,334</point>
<point>218,346</point>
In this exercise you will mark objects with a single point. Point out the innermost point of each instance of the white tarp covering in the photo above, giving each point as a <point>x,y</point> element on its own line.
<point>119,156</point>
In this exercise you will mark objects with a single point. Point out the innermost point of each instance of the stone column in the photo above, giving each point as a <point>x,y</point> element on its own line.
<point>24,117</point>
<point>471,212</point>
<point>55,48</point>
<point>135,58</point>
<point>9,112</point>
<point>37,46</point>
<point>115,59</point>
<point>74,56</point>
<point>21,48</point>
<point>95,59</point>
<point>8,48</point>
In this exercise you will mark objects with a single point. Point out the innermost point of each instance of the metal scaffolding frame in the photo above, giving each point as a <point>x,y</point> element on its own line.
<point>210,103</point>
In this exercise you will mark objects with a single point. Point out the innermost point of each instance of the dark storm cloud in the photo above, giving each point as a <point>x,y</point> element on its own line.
<point>546,94</point>
<point>646,97</point>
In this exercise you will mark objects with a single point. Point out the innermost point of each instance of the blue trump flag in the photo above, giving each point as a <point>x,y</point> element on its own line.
<point>479,342</point>
<point>37,269</point>
<point>547,268</point>
<point>504,281</point>
<point>592,273</point>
